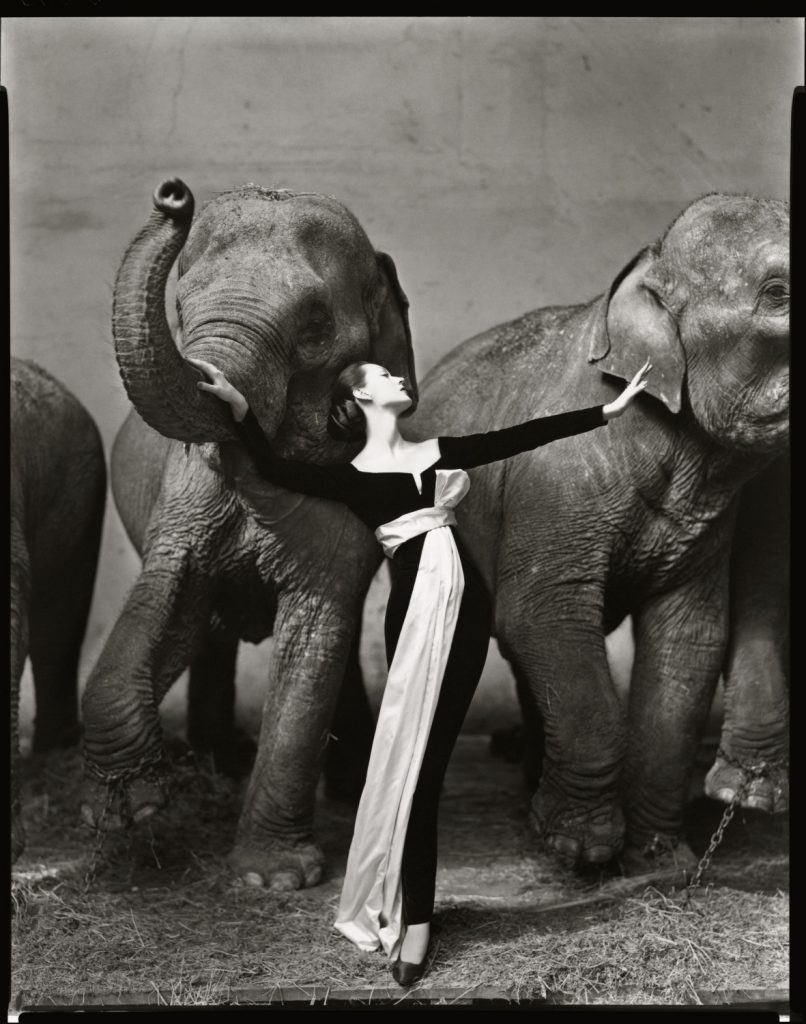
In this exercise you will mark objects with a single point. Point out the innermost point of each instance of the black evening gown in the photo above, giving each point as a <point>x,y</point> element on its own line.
<point>380,499</point>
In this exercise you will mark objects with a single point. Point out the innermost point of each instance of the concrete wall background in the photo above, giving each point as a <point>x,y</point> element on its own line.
<point>505,163</point>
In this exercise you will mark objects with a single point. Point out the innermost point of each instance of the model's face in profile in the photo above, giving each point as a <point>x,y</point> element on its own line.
<point>382,389</point>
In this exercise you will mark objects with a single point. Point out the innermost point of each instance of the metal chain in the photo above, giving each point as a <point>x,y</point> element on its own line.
<point>749,774</point>
<point>146,761</point>
<point>100,839</point>
<point>764,766</point>
<point>716,838</point>
<point>114,782</point>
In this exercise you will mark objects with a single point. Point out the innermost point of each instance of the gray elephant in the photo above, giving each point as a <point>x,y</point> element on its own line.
<point>754,741</point>
<point>58,493</point>
<point>636,519</point>
<point>754,745</point>
<point>281,290</point>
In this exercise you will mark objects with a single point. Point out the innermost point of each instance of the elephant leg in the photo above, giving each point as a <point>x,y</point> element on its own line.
<point>350,741</point>
<point>755,730</point>
<point>211,705</point>
<point>153,641</point>
<point>680,642</point>
<point>18,635</point>
<point>555,638</point>
<point>59,613</point>
<point>274,843</point>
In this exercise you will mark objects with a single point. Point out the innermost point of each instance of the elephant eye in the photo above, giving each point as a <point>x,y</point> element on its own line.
<point>654,293</point>
<point>318,328</point>
<point>773,296</point>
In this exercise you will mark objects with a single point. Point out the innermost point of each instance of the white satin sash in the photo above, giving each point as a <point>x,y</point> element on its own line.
<point>370,910</point>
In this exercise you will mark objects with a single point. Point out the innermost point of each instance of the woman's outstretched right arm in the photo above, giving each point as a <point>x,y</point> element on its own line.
<point>303,477</point>
<point>478,449</point>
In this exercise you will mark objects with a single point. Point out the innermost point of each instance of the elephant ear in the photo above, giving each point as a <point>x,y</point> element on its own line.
<point>391,335</point>
<point>631,324</point>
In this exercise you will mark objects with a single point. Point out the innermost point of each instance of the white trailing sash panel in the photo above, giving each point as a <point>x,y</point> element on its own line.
<point>370,911</point>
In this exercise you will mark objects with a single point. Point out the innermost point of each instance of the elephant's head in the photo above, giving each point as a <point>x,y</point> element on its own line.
<point>281,290</point>
<point>709,305</point>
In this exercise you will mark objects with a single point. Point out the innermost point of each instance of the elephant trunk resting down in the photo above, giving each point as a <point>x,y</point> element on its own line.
<point>281,290</point>
<point>58,493</point>
<point>635,520</point>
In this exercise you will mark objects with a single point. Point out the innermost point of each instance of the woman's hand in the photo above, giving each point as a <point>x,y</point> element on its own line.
<point>638,383</point>
<point>221,388</point>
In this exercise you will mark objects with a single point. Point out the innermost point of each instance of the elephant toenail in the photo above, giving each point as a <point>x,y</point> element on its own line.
<point>566,846</point>
<point>253,878</point>
<point>313,876</point>
<point>146,811</point>
<point>725,795</point>
<point>758,803</point>
<point>284,881</point>
<point>598,854</point>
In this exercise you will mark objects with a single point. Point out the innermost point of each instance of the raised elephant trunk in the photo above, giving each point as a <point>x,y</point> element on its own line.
<point>159,382</point>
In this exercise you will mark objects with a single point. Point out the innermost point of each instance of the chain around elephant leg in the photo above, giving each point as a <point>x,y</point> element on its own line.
<point>767,787</point>
<point>657,854</point>
<point>112,800</point>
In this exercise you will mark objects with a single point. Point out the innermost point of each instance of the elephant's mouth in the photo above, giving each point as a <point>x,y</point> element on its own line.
<point>764,432</point>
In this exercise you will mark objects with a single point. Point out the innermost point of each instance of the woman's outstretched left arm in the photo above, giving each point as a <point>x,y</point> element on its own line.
<point>303,477</point>
<point>478,449</point>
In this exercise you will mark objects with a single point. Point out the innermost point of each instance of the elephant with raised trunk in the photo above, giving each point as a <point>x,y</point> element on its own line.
<point>57,499</point>
<point>636,520</point>
<point>281,290</point>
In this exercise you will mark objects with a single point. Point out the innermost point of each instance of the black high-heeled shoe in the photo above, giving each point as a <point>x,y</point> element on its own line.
<point>406,974</point>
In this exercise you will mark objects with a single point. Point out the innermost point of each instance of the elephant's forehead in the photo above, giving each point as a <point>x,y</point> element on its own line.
<point>721,235</point>
<point>727,224</point>
<point>297,222</point>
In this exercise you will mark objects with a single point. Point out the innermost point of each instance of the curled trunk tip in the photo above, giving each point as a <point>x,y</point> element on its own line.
<point>159,382</point>
<point>174,199</point>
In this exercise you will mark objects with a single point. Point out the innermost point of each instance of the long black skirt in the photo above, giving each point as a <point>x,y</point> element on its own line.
<point>462,673</point>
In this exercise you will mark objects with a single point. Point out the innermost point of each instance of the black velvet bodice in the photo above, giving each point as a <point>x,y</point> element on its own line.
<point>378,498</point>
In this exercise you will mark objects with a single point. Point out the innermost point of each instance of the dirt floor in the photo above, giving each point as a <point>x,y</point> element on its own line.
<point>156,916</point>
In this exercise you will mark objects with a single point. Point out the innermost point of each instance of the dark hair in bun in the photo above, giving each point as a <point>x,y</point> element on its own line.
<point>346,421</point>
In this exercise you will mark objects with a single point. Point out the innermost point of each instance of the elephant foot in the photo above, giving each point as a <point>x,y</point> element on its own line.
<point>577,832</point>
<point>279,869</point>
<point>113,806</point>
<point>233,757</point>
<point>658,854</point>
<point>146,795</point>
<point>767,786</point>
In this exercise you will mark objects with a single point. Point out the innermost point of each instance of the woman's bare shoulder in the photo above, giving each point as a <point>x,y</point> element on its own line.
<point>413,457</point>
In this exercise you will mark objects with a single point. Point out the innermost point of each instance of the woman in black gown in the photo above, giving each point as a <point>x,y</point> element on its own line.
<point>437,628</point>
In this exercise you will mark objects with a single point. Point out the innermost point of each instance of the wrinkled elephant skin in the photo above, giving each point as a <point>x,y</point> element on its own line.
<point>281,290</point>
<point>754,747</point>
<point>58,493</point>
<point>634,518</point>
